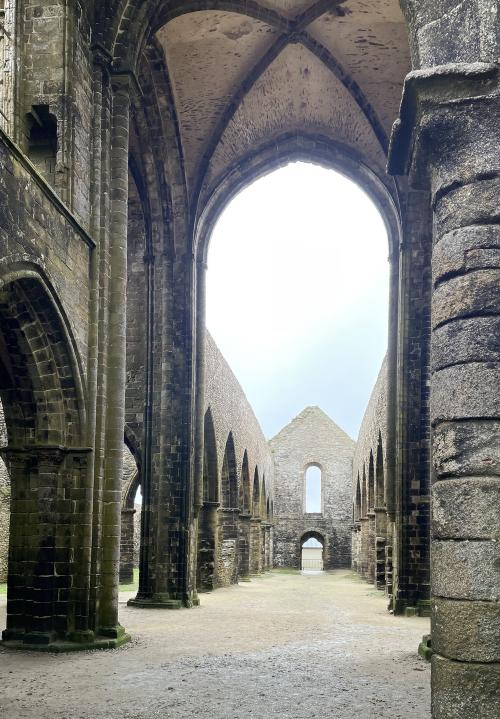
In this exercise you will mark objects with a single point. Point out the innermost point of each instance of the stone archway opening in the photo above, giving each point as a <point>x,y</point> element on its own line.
<point>301,253</point>
<point>41,440</point>
<point>131,520</point>
<point>310,307</point>
<point>312,551</point>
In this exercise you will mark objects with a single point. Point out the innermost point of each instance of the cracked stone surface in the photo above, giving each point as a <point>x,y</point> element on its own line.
<point>284,645</point>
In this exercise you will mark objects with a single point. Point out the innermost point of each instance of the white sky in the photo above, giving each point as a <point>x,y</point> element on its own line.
<point>297,291</point>
<point>313,490</point>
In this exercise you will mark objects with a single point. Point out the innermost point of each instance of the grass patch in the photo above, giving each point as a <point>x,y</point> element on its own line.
<point>135,584</point>
<point>284,570</point>
<point>3,589</point>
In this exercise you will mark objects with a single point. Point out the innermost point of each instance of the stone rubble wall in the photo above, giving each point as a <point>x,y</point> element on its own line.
<point>373,425</point>
<point>232,412</point>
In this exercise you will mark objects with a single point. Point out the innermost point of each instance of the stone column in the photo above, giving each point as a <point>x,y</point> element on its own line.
<point>255,545</point>
<point>364,547</point>
<point>49,551</point>
<point>263,531</point>
<point>244,546</point>
<point>380,544</point>
<point>267,547</point>
<point>115,415</point>
<point>127,546</point>
<point>371,546</point>
<point>448,140</point>
<point>207,546</point>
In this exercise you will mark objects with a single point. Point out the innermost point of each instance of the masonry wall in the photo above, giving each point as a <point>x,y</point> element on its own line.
<point>232,412</point>
<point>372,537</point>
<point>312,438</point>
<point>38,234</point>
<point>242,532</point>
<point>232,415</point>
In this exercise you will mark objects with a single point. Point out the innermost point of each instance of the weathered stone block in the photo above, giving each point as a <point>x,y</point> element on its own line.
<point>465,691</point>
<point>473,339</point>
<point>467,508</point>
<point>466,249</point>
<point>466,296</point>
<point>466,570</point>
<point>466,631</point>
<point>451,18</point>
<point>467,449</point>
<point>465,391</point>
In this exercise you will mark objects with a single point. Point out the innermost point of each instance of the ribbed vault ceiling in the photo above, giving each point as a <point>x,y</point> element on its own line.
<point>244,73</point>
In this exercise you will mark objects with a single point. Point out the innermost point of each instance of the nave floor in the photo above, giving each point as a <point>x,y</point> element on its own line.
<point>284,645</point>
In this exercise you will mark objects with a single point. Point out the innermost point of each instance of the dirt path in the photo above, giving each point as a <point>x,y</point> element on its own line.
<point>284,645</point>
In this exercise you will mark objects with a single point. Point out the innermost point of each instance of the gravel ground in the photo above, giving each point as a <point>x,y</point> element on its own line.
<point>285,645</point>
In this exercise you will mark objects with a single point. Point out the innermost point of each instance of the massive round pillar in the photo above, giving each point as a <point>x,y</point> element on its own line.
<point>448,139</point>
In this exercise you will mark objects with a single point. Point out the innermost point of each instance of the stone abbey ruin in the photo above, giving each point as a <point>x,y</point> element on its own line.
<point>126,127</point>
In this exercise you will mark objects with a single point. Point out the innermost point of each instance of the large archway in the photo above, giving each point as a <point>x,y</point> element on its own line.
<point>44,412</point>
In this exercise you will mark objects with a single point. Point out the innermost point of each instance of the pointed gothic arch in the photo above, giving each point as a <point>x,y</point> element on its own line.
<point>379,474</point>
<point>210,469</point>
<point>42,397</point>
<point>229,476</point>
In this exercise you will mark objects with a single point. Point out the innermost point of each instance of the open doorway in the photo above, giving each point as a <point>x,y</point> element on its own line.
<point>312,553</point>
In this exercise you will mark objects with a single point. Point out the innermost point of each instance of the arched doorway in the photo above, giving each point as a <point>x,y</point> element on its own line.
<point>312,552</point>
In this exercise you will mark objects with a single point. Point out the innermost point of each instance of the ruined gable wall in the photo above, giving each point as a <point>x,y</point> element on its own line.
<point>312,438</point>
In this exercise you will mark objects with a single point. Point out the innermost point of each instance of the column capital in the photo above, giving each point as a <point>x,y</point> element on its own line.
<point>102,57</point>
<point>125,81</point>
<point>430,96</point>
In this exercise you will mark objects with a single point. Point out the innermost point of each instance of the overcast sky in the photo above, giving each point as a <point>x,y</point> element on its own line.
<point>297,292</point>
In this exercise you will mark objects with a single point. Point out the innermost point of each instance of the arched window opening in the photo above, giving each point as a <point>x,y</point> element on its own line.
<point>364,497</point>
<point>263,495</point>
<point>312,553</point>
<point>357,503</point>
<point>371,483</point>
<point>256,494</point>
<point>313,490</point>
<point>42,141</point>
<point>244,491</point>
<point>229,476</point>
<point>210,474</point>
<point>380,475</point>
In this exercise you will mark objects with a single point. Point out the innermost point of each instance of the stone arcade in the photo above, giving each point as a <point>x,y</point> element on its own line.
<point>125,128</point>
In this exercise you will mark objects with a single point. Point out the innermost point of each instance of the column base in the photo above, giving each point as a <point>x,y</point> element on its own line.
<point>157,601</point>
<point>425,648</point>
<point>79,643</point>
